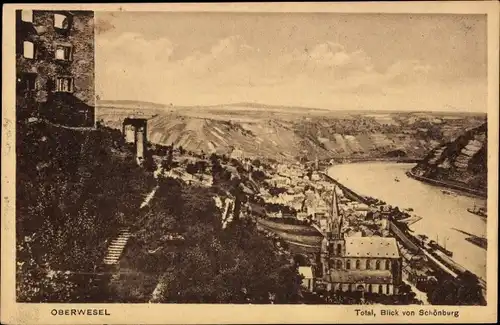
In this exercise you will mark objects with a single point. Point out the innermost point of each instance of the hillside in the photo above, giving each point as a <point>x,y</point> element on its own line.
<point>462,162</point>
<point>74,190</point>
<point>280,133</point>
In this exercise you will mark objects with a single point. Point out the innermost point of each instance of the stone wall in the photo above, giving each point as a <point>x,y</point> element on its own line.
<point>45,37</point>
<point>385,264</point>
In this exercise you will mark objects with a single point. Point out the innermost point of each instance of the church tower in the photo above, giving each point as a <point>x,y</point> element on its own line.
<point>336,220</point>
<point>324,256</point>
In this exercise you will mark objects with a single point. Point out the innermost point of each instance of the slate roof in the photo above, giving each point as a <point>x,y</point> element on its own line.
<point>385,247</point>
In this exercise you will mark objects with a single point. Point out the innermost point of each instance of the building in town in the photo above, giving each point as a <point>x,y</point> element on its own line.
<point>236,154</point>
<point>55,66</point>
<point>366,264</point>
<point>307,277</point>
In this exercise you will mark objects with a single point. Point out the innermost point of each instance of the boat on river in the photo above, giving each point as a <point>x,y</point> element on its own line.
<point>435,245</point>
<point>429,202</point>
<point>449,192</point>
<point>478,211</point>
<point>478,241</point>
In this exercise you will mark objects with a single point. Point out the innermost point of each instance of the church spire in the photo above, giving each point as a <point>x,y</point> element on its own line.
<point>335,217</point>
<point>335,206</point>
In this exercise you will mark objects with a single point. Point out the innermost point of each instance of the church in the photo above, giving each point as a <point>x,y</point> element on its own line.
<point>365,264</point>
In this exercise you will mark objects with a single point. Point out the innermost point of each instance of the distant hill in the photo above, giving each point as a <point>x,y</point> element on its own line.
<point>286,133</point>
<point>461,162</point>
<point>129,104</point>
<point>275,107</point>
<point>253,106</point>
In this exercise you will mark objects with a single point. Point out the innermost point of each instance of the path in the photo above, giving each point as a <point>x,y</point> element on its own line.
<point>149,197</point>
<point>157,294</point>
<point>118,244</point>
<point>116,247</point>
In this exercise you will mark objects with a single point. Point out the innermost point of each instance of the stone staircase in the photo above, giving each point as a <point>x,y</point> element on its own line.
<point>116,247</point>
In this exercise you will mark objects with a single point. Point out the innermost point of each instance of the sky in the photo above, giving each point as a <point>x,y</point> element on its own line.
<point>324,60</point>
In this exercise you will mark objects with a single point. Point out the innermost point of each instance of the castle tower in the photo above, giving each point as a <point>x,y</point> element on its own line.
<point>135,130</point>
<point>140,143</point>
<point>129,133</point>
<point>55,66</point>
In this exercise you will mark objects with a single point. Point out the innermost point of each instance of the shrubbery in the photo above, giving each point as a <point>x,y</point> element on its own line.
<point>214,265</point>
<point>464,290</point>
<point>74,190</point>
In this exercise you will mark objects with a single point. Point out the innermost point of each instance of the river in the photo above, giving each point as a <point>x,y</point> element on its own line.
<point>442,215</point>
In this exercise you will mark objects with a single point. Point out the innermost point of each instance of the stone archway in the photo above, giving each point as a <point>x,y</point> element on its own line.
<point>135,131</point>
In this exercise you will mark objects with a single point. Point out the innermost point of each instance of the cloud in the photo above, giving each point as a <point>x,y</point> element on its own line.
<point>229,46</point>
<point>334,55</point>
<point>130,66</point>
<point>328,59</point>
<point>223,55</point>
<point>134,48</point>
<point>408,71</point>
<point>328,75</point>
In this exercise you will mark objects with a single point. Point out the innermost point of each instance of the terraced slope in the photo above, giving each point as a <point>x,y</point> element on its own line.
<point>291,133</point>
<point>462,161</point>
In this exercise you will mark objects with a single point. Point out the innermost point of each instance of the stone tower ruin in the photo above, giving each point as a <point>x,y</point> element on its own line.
<point>135,131</point>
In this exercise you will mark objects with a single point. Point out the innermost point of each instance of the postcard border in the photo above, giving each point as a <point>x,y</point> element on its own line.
<point>12,312</point>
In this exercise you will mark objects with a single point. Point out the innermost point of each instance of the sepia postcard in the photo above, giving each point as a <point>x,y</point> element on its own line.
<point>250,163</point>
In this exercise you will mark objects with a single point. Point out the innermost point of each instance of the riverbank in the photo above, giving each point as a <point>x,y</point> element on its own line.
<point>465,190</point>
<point>353,160</point>
<point>444,216</point>
<point>347,191</point>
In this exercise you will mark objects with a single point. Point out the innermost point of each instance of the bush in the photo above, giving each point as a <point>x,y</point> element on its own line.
<point>72,191</point>
<point>215,265</point>
<point>259,175</point>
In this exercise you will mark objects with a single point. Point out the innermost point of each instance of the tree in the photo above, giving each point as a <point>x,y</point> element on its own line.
<point>239,198</point>
<point>464,290</point>
<point>275,191</point>
<point>231,265</point>
<point>69,207</point>
<point>259,175</point>
<point>167,164</point>
<point>300,260</point>
<point>201,166</point>
<point>149,163</point>
<point>469,290</point>
<point>191,169</point>
<point>36,280</point>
